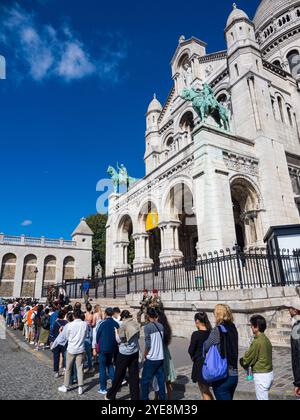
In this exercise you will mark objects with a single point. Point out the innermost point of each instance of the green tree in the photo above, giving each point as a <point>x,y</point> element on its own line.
<point>97,222</point>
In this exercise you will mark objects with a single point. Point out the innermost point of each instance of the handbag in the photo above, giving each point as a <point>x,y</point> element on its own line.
<point>215,367</point>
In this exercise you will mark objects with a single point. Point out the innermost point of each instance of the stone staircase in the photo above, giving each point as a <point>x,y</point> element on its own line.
<point>111,303</point>
<point>279,329</point>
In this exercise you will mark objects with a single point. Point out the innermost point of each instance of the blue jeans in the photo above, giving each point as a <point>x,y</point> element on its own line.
<point>224,390</point>
<point>59,350</point>
<point>105,367</point>
<point>89,355</point>
<point>153,369</point>
<point>9,319</point>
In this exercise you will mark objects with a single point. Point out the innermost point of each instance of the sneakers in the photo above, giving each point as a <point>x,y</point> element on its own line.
<point>56,375</point>
<point>80,390</point>
<point>102,392</point>
<point>63,389</point>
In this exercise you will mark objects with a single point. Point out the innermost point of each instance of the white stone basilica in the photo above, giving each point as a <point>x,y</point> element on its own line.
<point>205,188</point>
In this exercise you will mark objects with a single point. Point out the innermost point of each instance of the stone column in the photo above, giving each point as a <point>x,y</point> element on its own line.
<point>19,275</point>
<point>170,242</point>
<point>121,256</point>
<point>213,202</point>
<point>142,251</point>
<point>59,272</point>
<point>39,278</point>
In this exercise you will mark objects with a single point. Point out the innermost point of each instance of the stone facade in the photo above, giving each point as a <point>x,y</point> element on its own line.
<point>29,264</point>
<point>211,188</point>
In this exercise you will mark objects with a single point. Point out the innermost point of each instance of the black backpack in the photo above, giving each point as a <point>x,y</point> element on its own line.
<point>46,322</point>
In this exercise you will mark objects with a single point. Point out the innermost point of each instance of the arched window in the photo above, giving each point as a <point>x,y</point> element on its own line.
<point>8,269</point>
<point>237,70</point>
<point>293,58</point>
<point>187,122</point>
<point>69,268</point>
<point>8,272</point>
<point>29,276</point>
<point>170,142</point>
<point>273,106</point>
<point>277,63</point>
<point>280,106</point>
<point>290,115</point>
<point>49,270</point>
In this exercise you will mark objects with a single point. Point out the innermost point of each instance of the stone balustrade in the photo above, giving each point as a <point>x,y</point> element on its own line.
<point>42,242</point>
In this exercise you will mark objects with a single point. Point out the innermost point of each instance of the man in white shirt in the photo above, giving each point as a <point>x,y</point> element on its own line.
<point>75,333</point>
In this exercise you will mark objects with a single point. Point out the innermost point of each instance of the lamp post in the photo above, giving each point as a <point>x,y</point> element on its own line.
<point>35,276</point>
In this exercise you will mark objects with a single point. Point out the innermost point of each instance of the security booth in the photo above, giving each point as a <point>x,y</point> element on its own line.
<point>283,246</point>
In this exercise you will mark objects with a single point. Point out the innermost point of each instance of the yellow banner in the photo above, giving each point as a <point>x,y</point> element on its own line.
<point>151,221</point>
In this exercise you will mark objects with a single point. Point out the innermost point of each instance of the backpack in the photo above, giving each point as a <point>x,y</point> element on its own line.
<point>215,366</point>
<point>46,322</point>
<point>37,320</point>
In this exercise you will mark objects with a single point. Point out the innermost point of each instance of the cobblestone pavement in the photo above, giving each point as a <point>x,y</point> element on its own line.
<point>18,360</point>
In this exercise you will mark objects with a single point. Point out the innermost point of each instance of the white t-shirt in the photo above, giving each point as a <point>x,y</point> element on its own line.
<point>10,308</point>
<point>76,333</point>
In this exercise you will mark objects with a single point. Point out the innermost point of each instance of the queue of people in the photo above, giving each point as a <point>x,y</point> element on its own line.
<point>82,338</point>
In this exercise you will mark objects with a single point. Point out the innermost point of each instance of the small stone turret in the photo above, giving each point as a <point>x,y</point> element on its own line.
<point>152,134</point>
<point>83,235</point>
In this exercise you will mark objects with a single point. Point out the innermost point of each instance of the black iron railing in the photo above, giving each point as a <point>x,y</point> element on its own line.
<point>223,270</point>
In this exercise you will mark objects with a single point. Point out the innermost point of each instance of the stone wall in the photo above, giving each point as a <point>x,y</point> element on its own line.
<point>27,289</point>
<point>181,307</point>
<point>6,288</point>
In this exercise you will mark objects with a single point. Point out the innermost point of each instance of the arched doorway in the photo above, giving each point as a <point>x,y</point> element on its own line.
<point>152,229</point>
<point>125,244</point>
<point>245,201</point>
<point>181,208</point>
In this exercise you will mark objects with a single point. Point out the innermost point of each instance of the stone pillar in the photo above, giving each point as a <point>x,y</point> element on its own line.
<point>121,251</point>
<point>59,272</point>
<point>170,242</point>
<point>213,202</point>
<point>39,278</point>
<point>19,275</point>
<point>142,251</point>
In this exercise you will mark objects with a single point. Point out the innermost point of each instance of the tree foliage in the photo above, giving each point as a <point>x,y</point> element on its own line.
<point>97,223</point>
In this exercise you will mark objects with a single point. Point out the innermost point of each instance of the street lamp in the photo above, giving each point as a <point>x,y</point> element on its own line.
<point>35,275</point>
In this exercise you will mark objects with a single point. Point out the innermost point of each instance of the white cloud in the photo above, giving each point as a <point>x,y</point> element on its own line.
<point>43,51</point>
<point>26,223</point>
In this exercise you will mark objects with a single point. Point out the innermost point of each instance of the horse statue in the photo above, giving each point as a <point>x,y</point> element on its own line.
<point>206,104</point>
<point>120,178</point>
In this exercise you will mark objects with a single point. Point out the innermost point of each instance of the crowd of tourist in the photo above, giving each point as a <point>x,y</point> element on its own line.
<point>82,337</point>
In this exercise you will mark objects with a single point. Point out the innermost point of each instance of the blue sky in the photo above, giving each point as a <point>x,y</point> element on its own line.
<point>80,75</point>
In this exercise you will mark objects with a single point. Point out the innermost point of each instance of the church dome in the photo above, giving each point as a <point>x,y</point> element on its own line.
<point>155,105</point>
<point>235,15</point>
<point>270,8</point>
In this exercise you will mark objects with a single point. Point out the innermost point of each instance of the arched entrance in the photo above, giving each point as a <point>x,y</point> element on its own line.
<point>245,201</point>
<point>153,231</point>
<point>180,205</point>
<point>124,247</point>
<point>148,238</point>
